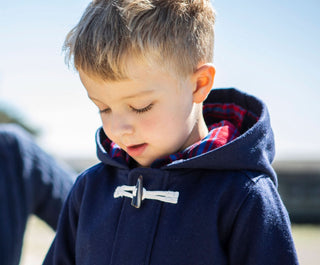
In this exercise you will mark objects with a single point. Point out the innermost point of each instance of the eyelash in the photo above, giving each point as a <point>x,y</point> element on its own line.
<point>138,111</point>
<point>145,109</point>
<point>104,111</point>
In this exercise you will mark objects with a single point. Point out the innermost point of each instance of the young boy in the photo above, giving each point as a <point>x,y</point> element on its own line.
<point>180,182</point>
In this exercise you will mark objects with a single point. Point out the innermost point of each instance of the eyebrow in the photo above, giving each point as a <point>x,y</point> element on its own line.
<point>141,93</point>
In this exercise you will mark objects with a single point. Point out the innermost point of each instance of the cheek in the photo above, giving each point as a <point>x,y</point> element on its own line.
<point>161,124</point>
<point>149,125</point>
<point>106,128</point>
<point>153,125</point>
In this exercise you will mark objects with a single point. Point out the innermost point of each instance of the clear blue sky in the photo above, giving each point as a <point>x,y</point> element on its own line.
<point>267,48</point>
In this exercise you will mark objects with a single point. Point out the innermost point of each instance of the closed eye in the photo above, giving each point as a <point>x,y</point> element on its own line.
<point>145,109</point>
<point>102,111</point>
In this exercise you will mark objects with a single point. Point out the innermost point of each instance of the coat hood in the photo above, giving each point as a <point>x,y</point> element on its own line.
<point>252,150</point>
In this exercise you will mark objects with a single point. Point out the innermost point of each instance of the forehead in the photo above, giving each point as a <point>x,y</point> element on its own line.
<point>143,80</point>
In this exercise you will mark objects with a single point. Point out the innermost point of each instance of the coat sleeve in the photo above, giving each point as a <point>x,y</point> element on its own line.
<point>31,182</point>
<point>63,247</point>
<point>41,182</point>
<point>261,233</point>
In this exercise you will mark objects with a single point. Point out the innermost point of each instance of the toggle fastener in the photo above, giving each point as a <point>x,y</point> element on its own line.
<point>137,193</point>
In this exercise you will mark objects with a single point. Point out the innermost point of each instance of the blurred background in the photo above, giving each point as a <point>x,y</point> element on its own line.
<point>267,48</point>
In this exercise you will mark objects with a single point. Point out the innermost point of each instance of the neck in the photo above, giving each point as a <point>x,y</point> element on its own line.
<point>199,131</point>
<point>202,128</point>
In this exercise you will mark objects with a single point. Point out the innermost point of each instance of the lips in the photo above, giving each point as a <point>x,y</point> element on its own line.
<point>136,150</point>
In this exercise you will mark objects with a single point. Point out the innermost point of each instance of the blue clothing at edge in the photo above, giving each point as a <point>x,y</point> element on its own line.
<point>31,182</point>
<point>228,211</point>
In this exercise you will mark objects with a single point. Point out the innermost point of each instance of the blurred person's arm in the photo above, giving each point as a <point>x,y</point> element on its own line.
<point>31,182</point>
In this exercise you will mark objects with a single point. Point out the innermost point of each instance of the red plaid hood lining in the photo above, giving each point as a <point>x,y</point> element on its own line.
<point>225,123</point>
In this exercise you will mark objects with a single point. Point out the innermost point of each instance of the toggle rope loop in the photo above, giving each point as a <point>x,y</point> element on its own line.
<point>134,192</point>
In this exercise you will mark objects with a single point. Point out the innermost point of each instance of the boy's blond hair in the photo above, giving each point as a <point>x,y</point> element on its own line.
<point>176,34</point>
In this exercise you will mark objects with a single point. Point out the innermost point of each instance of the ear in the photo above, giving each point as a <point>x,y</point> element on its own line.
<point>204,78</point>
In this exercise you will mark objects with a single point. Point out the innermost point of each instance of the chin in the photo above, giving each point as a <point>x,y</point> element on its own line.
<point>143,163</point>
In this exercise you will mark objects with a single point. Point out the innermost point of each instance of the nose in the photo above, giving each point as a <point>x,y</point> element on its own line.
<point>121,125</point>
